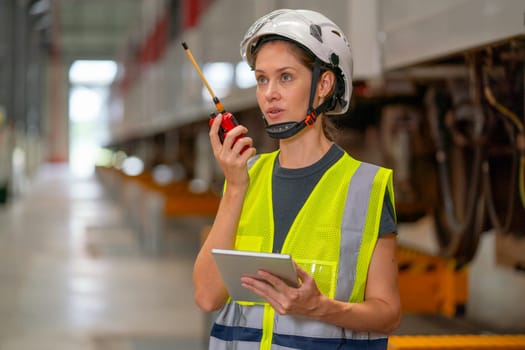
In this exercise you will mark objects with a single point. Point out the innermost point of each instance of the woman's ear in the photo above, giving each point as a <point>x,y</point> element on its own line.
<point>326,84</point>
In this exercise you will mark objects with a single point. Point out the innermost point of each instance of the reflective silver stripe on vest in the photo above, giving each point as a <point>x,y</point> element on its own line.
<point>278,347</point>
<point>290,325</point>
<point>352,226</point>
<point>252,161</point>
<point>296,326</point>
<point>354,219</point>
<point>218,344</point>
<point>234,314</point>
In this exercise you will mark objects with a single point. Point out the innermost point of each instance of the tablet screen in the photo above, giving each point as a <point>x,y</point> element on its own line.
<point>233,264</point>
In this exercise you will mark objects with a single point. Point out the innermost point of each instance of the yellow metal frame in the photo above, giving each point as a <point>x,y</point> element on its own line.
<point>457,342</point>
<point>431,284</point>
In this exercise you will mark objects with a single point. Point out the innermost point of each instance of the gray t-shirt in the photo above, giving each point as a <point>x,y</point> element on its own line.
<point>291,188</point>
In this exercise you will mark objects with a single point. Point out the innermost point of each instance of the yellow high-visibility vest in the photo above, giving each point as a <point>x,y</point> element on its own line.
<point>333,238</point>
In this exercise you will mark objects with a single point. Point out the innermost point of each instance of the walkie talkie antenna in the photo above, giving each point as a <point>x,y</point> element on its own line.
<point>216,100</point>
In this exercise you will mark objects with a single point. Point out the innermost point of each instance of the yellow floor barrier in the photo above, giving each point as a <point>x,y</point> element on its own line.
<point>457,342</point>
<point>431,284</point>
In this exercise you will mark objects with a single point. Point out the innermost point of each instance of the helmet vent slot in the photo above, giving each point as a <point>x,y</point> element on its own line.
<point>315,31</point>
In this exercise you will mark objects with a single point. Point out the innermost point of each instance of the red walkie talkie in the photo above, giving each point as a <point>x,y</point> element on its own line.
<point>228,120</point>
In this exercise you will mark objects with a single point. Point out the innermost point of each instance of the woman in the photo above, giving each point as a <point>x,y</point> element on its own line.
<point>310,199</point>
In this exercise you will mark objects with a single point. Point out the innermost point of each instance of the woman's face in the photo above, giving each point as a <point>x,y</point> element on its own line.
<point>283,83</point>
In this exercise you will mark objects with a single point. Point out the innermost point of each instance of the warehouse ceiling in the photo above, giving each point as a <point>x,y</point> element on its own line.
<point>93,28</point>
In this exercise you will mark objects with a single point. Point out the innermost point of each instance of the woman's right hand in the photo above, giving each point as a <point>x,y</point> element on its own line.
<point>233,153</point>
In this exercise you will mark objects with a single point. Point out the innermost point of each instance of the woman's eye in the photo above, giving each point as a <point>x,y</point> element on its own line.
<point>261,80</point>
<point>286,77</point>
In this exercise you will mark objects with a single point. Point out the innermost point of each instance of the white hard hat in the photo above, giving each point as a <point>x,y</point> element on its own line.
<point>313,31</point>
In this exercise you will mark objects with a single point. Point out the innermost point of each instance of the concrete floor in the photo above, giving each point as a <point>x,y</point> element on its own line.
<point>75,277</point>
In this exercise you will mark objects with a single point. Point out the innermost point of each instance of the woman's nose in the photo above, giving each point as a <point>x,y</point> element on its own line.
<point>272,91</point>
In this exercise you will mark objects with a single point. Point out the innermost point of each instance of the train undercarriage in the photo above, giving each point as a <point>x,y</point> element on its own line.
<point>453,131</point>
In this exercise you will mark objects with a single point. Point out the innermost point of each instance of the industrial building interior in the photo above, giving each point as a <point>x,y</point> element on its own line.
<point>108,184</point>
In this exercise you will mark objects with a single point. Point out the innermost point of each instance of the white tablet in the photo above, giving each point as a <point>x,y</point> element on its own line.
<point>233,264</point>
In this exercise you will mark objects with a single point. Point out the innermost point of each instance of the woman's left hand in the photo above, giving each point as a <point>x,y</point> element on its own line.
<point>286,300</point>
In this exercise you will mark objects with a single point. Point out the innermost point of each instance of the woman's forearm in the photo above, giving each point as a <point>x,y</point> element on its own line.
<point>210,292</point>
<point>369,316</point>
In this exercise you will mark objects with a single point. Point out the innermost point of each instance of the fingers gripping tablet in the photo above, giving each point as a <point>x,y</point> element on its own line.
<point>233,264</point>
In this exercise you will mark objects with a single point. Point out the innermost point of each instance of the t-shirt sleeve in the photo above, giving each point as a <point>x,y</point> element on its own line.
<point>388,220</point>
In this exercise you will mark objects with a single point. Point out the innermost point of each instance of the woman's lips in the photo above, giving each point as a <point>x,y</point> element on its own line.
<point>274,113</point>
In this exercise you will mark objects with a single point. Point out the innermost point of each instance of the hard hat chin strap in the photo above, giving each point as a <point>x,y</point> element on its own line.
<point>288,129</point>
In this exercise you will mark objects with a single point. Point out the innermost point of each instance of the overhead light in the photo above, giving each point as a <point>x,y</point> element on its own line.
<point>39,7</point>
<point>244,76</point>
<point>93,72</point>
<point>220,76</point>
